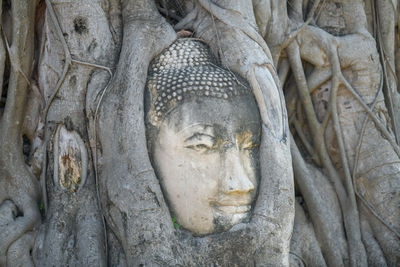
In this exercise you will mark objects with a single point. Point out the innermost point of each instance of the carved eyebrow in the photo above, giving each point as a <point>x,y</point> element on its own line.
<point>189,131</point>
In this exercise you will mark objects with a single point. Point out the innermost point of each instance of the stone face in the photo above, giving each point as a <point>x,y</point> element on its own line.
<point>204,146</point>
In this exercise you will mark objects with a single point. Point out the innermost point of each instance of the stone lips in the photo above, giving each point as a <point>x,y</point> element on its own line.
<point>186,68</point>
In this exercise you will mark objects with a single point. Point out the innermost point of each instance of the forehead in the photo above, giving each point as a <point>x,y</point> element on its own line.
<point>232,115</point>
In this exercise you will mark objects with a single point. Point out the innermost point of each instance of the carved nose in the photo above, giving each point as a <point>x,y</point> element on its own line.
<point>235,179</point>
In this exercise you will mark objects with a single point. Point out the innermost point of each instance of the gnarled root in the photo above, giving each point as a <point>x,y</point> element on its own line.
<point>19,192</point>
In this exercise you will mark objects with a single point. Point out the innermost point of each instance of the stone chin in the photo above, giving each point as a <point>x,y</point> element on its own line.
<point>227,217</point>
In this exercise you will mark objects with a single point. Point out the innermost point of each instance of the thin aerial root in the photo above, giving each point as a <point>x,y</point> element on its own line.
<point>313,123</point>
<point>345,191</point>
<point>236,21</point>
<point>295,33</point>
<point>303,138</point>
<point>336,72</point>
<point>352,221</point>
<point>357,157</point>
<point>93,145</point>
<point>375,213</point>
<point>68,61</point>
<point>108,69</point>
<point>362,133</point>
<point>67,55</point>
<point>13,60</point>
<point>373,117</point>
<point>297,69</point>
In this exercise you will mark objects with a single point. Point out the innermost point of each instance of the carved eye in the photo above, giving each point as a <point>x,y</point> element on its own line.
<point>199,147</point>
<point>200,142</point>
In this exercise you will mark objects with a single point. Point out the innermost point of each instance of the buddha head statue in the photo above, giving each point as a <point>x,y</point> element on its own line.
<point>203,133</point>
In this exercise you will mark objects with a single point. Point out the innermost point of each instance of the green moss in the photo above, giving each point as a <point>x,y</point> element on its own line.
<point>176,225</point>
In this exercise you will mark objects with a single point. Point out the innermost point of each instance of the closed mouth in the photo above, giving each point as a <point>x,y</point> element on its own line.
<point>232,209</point>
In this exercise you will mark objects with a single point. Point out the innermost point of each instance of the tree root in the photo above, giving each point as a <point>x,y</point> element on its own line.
<point>13,59</point>
<point>235,20</point>
<point>384,18</point>
<point>2,53</point>
<point>141,20</point>
<point>312,194</point>
<point>374,252</point>
<point>265,230</point>
<point>69,60</point>
<point>355,171</point>
<point>67,63</point>
<point>357,250</point>
<point>377,122</point>
<point>14,230</point>
<point>324,43</point>
<point>345,192</point>
<point>19,253</point>
<point>20,185</point>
